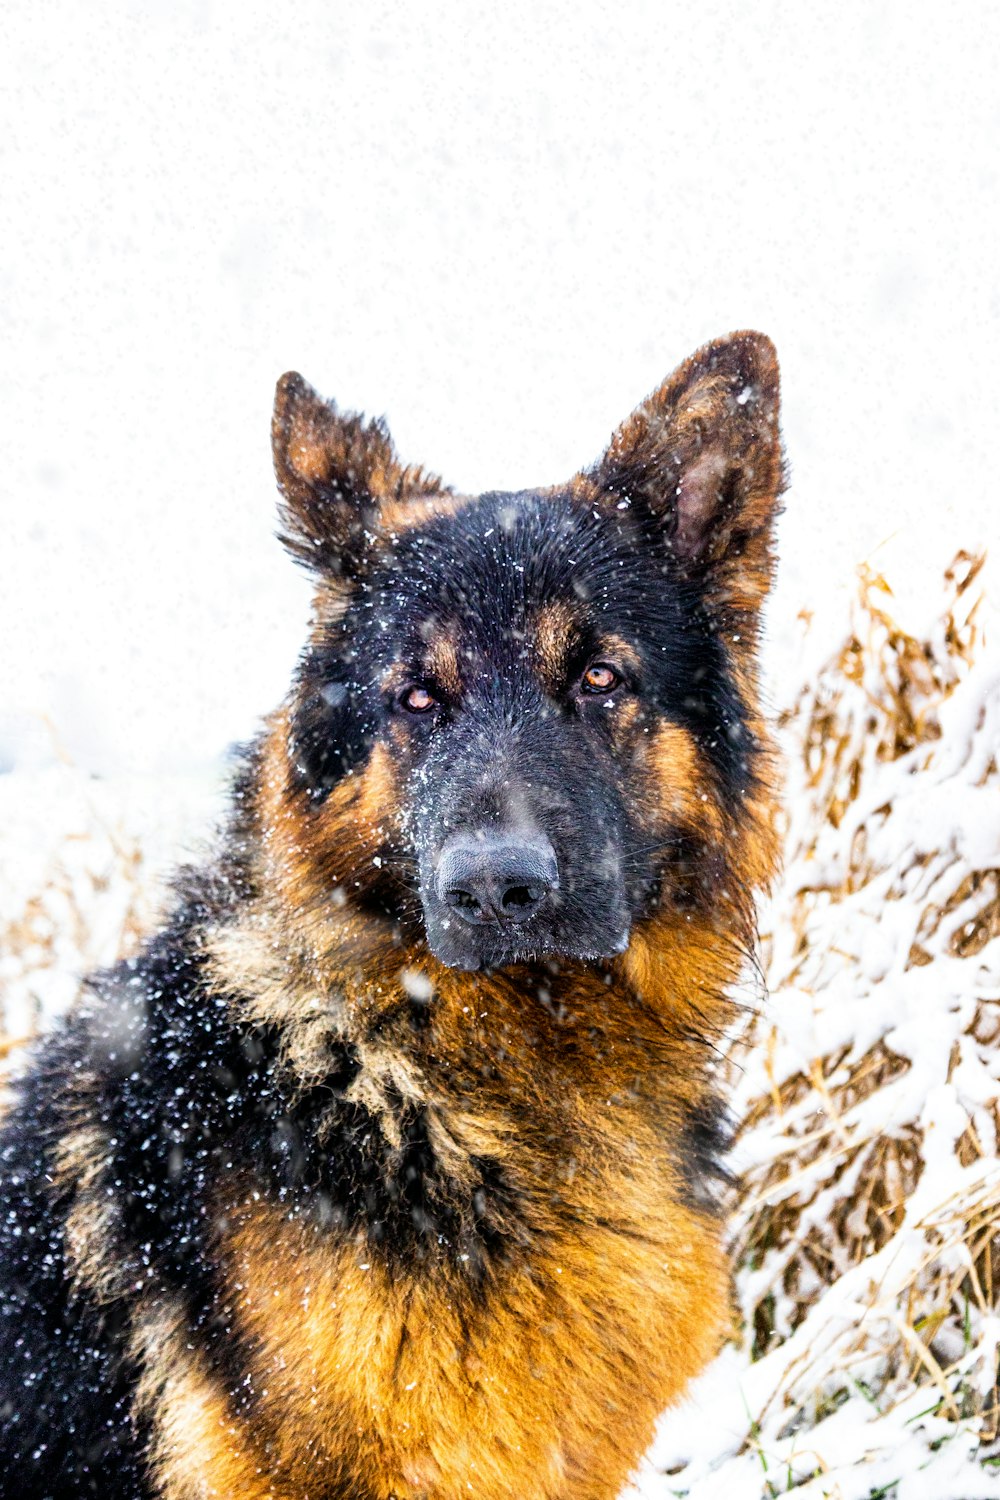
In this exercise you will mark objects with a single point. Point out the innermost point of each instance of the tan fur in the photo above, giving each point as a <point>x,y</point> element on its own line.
<point>95,1263</point>
<point>680,795</point>
<point>555,628</point>
<point>618,652</point>
<point>448,1392</point>
<point>536,1373</point>
<point>319,862</point>
<point>91,1246</point>
<point>451,1384</point>
<point>441,663</point>
<point>316,446</point>
<point>198,1451</point>
<point>715,420</point>
<point>448,1385</point>
<point>416,509</point>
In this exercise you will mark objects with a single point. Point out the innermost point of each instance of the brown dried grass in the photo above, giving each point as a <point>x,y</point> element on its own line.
<point>835,1188</point>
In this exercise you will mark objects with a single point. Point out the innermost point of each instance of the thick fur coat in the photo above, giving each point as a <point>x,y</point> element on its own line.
<point>388,1168</point>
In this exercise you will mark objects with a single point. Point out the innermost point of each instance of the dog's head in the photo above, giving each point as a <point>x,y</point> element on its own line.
<point>526,722</point>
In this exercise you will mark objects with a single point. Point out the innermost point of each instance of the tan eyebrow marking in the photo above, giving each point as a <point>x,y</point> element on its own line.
<point>395,677</point>
<point>555,634</point>
<point>441,661</point>
<point>438,663</point>
<point>619,652</point>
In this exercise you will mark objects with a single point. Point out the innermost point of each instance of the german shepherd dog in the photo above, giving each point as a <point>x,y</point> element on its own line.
<point>389,1167</point>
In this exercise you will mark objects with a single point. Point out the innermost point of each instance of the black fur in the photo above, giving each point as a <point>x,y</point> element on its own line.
<point>478,568</point>
<point>479,573</point>
<point>65,1385</point>
<point>183,1093</point>
<point>188,1097</point>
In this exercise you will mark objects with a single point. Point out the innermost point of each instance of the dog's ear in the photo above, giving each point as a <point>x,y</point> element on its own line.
<point>334,471</point>
<point>703,456</point>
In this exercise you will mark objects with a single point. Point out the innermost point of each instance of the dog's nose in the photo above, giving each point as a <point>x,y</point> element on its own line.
<point>490,876</point>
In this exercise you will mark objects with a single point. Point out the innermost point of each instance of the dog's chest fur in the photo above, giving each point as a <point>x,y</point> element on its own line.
<point>455,1384</point>
<point>553,1283</point>
<point>499,1375</point>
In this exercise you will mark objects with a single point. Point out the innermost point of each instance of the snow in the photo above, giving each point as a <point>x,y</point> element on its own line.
<point>876,1374</point>
<point>502,231</point>
<point>83,875</point>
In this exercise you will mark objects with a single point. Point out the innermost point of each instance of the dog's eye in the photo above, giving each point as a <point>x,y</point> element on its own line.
<point>599,680</point>
<point>417,700</point>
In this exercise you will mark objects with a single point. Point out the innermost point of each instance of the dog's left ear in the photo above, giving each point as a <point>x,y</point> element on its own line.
<point>703,455</point>
<point>335,471</point>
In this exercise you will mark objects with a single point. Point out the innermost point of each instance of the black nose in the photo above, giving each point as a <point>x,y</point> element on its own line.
<point>489,876</point>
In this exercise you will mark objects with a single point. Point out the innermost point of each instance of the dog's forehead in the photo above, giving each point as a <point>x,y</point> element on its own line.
<point>505,560</point>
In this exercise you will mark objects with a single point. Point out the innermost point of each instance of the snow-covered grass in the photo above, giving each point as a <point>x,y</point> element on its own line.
<point>867,1089</point>
<point>865,1223</point>
<point>83,877</point>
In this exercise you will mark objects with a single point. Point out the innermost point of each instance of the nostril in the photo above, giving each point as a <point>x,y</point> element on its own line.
<point>521,898</point>
<point>458,898</point>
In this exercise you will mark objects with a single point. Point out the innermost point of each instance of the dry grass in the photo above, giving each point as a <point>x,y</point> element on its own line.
<point>81,882</point>
<point>879,1149</point>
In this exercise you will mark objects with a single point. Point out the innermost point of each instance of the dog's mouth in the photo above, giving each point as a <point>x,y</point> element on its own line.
<point>492,948</point>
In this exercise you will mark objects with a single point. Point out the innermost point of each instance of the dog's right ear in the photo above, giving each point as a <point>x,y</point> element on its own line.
<point>334,471</point>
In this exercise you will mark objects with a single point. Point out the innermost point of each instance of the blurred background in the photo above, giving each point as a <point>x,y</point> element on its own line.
<point>499,227</point>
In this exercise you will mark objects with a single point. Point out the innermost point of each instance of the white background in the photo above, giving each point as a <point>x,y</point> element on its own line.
<point>499,226</point>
